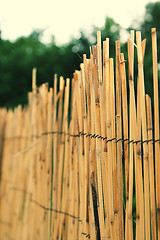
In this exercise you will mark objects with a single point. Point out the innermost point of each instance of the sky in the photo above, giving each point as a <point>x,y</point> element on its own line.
<point>65,18</point>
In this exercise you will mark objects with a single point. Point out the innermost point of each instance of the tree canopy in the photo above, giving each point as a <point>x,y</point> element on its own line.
<point>18,58</point>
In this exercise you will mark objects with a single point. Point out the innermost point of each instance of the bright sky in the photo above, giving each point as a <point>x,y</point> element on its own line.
<point>64,18</point>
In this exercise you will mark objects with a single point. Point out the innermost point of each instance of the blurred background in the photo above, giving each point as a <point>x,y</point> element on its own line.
<point>52,36</point>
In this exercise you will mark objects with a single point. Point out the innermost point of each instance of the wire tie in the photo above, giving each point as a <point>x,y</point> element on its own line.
<point>93,135</point>
<point>126,139</point>
<point>96,135</point>
<point>138,141</point>
<point>110,140</point>
<point>131,141</point>
<point>88,135</point>
<point>104,138</point>
<point>118,140</point>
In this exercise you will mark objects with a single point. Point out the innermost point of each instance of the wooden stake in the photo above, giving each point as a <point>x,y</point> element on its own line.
<point>156,123</point>
<point>144,135</point>
<point>151,168</point>
<point>131,127</point>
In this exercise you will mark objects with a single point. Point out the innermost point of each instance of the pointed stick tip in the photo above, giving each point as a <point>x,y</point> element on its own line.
<point>153,30</point>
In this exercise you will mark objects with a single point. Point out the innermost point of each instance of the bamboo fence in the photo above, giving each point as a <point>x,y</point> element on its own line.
<point>82,159</point>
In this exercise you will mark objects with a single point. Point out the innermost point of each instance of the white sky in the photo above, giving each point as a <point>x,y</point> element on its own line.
<point>64,18</point>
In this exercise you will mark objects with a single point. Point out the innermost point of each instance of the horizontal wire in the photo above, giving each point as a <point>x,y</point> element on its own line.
<point>118,140</point>
<point>42,206</point>
<point>55,210</point>
<point>86,135</point>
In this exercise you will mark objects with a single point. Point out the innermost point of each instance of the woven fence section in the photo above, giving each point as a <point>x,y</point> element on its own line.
<point>82,159</point>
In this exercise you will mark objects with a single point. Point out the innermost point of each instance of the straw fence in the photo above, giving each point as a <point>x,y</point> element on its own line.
<point>82,159</point>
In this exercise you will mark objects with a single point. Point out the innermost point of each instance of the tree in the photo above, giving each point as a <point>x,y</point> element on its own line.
<point>151,19</point>
<point>110,30</point>
<point>18,58</point>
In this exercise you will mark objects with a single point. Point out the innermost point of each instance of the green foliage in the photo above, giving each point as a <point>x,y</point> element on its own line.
<point>110,30</point>
<point>18,58</point>
<point>151,20</point>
